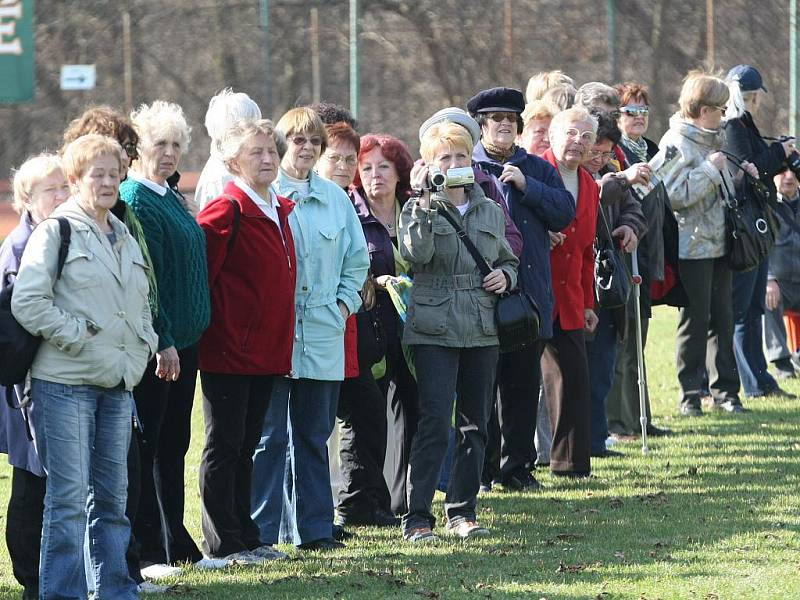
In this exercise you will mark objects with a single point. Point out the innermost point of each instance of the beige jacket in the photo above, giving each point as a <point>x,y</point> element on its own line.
<point>95,319</point>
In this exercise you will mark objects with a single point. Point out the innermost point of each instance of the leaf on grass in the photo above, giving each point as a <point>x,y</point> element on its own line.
<point>569,537</point>
<point>691,471</point>
<point>619,555</point>
<point>656,499</point>
<point>427,593</point>
<point>660,545</point>
<point>180,589</point>
<point>562,568</point>
<point>615,503</point>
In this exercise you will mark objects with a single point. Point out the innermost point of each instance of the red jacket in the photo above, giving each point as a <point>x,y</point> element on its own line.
<point>572,263</point>
<point>252,288</point>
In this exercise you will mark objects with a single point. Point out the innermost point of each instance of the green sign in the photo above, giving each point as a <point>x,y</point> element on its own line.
<point>17,67</point>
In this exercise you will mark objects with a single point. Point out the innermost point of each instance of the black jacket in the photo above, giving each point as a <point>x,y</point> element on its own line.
<point>743,140</point>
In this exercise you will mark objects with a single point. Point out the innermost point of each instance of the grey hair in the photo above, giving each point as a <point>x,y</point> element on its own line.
<point>736,106</point>
<point>153,121</point>
<point>226,108</point>
<point>230,145</point>
<point>594,92</point>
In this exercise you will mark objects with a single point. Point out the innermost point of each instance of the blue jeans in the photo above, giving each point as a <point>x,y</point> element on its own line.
<point>601,352</point>
<point>298,422</point>
<point>83,433</point>
<point>749,289</point>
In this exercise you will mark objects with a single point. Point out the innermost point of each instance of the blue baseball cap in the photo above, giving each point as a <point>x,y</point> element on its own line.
<point>748,77</point>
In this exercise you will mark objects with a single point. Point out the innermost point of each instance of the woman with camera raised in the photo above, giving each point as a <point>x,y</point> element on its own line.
<point>452,329</point>
<point>743,140</point>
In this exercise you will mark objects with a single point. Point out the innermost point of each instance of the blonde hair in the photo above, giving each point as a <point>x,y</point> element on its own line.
<point>78,155</point>
<point>701,89</point>
<point>232,141</point>
<point>226,108</point>
<point>538,109</point>
<point>561,96</point>
<point>302,120</point>
<point>162,119</point>
<point>32,171</point>
<point>576,113</point>
<point>452,134</point>
<point>541,82</point>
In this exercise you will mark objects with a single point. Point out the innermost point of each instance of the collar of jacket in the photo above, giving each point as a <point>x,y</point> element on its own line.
<point>316,188</point>
<point>23,232</point>
<point>480,155</point>
<point>251,209</point>
<point>702,137</point>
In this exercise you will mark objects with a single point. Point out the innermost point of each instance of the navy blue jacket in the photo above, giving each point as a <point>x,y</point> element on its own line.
<point>545,206</point>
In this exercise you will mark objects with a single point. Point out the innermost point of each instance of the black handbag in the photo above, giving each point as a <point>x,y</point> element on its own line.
<point>750,222</point>
<point>18,347</point>
<point>612,280</point>
<point>516,313</point>
<point>370,335</point>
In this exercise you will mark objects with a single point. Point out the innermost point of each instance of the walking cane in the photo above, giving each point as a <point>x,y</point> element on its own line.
<point>637,283</point>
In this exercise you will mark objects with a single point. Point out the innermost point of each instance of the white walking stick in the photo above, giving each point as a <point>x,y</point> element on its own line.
<point>637,283</point>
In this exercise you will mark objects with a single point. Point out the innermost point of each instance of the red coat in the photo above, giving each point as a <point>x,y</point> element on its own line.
<point>252,288</point>
<point>572,263</point>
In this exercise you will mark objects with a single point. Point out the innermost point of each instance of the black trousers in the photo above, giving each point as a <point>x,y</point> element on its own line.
<point>24,527</point>
<point>565,374</point>
<point>405,413</point>
<point>362,447</point>
<point>233,408</point>
<point>165,412</point>
<point>512,425</point>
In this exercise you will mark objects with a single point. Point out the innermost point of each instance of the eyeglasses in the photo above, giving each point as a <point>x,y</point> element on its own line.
<point>635,111</point>
<point>604,155</point>
<point>499,117</point>
<point>300,140</point>
<point>130,150</point>
<point>350,161</point>
<point>587,137</point>
<point>722,109</point>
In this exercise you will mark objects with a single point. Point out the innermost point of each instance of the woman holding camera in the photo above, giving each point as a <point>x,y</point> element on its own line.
<point>743,140</point>
<point>452,329</point>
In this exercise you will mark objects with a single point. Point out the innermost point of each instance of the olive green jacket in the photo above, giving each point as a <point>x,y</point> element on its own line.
<point>449,306</point>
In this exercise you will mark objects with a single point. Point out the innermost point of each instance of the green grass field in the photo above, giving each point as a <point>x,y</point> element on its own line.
<point>711,513</point>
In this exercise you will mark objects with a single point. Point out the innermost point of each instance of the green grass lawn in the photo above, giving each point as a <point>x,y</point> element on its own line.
<point>712,512</point>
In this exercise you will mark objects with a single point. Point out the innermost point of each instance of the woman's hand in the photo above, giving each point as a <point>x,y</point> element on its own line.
<point>556,238</point>
<point>639,173</point>
<point>590,320</point>
<point>168,365</point>
<point>419,181</point>
<point>750,168</point>
<point>773,297</point>
<point>626,237</point>
<point>343,309</point>
<point>381,281</point>
<point>495,282</point>
<point>512,174</point>
<point>717,159</point>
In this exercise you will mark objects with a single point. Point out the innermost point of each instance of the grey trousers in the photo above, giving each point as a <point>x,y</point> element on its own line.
<point>774,329</point>
<point>622,404</point>
<point>445,375</point>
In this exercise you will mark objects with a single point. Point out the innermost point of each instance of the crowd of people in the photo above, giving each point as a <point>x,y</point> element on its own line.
<point>320,283</point>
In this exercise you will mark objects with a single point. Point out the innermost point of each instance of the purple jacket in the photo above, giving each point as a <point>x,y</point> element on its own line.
<point>490,189</point>
<point>13,437</point>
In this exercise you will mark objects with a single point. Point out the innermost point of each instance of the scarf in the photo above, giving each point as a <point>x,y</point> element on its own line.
<point>638,147</point>
<point>501,155</point>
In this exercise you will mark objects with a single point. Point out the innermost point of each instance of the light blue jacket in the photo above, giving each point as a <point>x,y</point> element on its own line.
<point>332,264</point>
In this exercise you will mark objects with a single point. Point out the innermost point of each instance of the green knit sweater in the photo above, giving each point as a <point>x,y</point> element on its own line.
<point>177,246</point>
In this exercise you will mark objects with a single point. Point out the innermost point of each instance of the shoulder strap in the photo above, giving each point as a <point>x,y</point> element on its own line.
<point>66,234</point>
<point>237,217</point>
<point>483,266</point>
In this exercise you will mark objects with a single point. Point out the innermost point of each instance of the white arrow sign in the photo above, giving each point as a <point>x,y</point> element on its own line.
<point>78,77</point>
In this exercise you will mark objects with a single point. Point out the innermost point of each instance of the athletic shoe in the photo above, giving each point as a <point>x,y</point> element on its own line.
<point>420,535</point>
<point>466,528</point>
<point>268,552</point>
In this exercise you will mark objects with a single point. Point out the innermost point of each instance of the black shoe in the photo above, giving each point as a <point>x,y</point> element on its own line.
<point>571,474</point>
<point>340,534</point>
<point>730,406</point>
<point>30,594</point>
<point>655,431</point>
<point>779,392</point>
<point>322,545</point>
<point>383,518</point>
<point>520,482</point>
<point>691,409</point>
<point>784,369</point>
<point>606,453</point>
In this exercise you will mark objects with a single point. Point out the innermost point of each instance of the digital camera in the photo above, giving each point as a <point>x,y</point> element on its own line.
<point>454,178</point>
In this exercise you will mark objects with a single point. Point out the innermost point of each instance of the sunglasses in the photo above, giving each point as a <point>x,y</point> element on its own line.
<point>130,150</point>
<point>300,140</point>
<point>499,117</point>
<point>635,111</point>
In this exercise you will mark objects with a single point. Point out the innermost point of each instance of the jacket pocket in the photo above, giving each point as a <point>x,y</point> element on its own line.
<point>140,275</point>
<point>487,242</point>
<point>445,239</point>
<point>430,314</point>
<point>327,252</point>
<point>79,270</point>
<point>486,310</point>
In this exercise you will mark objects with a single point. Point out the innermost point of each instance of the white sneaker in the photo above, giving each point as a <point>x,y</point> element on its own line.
<point>211,563</point>
<point>148,587</point>
<point>269,553</point>
<point>245,557</point>
<point>158,571</point>
<point>610,441</point>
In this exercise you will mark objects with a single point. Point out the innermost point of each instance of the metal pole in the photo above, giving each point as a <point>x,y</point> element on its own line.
<point>793,67</point>
<point>267,71</point>
<point>612,38</point>
<point>315,85</point>
<point>127,60</point>
<point>637,303</point>
<point>710,58</point>
<point>354,58</point>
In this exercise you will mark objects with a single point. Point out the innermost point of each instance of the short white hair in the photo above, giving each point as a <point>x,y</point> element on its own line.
<point>234,139</point>
<point>161,119</point>
<point>32,171</point>
<point>226,108</point>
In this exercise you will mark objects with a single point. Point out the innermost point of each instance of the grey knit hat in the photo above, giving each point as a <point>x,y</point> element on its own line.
<point>453,115</point>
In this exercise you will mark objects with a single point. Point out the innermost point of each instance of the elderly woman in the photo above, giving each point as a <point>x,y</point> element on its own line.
<point>39,187</point>
<point>536,118</point>
<point>382,187</point>
<point>165,395</point>
<point>623,219</point>
<point>536,198</point>
<point>98,336</point>
<point>698,190</point>
<point>224,109</point>
<point>331,269</point>
<point>251,263</point>
<point>564,367</point>
<point>743,140</point>
<point>452,330</point>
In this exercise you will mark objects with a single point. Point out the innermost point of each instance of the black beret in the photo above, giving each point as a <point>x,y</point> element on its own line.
<point>497,99</point>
